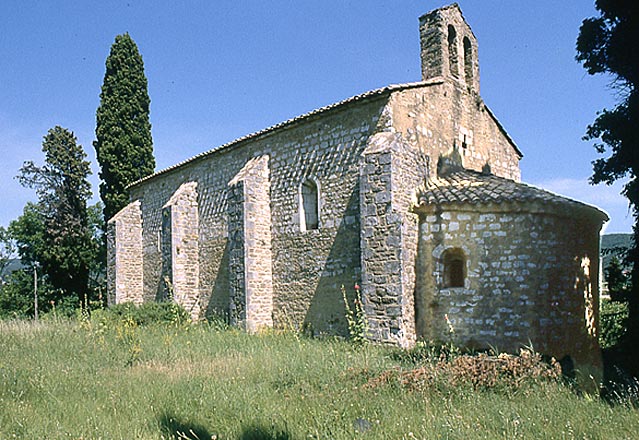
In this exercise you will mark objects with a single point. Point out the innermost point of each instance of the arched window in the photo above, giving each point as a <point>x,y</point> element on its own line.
<point>309,206</point>
<point>452,51</point>
<point>454,268</point>
<point>468,61</point>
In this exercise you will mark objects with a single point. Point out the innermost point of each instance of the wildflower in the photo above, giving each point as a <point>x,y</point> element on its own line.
<point>451,329</point>
<point>356,287</point>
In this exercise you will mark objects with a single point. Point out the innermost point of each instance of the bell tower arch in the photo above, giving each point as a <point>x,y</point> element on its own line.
<point>449,47</point>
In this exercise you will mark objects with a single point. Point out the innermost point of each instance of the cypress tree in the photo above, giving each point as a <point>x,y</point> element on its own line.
<point>123,144</point>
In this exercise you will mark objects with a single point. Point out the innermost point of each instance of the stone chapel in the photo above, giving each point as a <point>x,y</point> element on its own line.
<point>412,191</point>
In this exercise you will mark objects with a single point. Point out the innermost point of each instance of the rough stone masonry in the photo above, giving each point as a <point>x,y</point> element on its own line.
<point>412,190</point>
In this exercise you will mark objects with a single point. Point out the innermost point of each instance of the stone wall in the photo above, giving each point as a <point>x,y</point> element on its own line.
<point>236,255</point>
<point>308,267</point>
<point>450,56</point>
<point>431,118</point>
<point>531,278</point>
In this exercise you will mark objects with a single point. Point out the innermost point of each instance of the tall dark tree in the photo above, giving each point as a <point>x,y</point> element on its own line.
<point>61,240</point>
<point>607,44</point>
<point>123,142</point>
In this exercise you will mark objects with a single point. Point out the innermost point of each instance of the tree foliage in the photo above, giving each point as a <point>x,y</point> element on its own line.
<point>607,45</point>
<point>123,142</point>
<point>97,267</point>
<point>27,232</point>
<point>55,232</point>
<point>17,296</point>
<point>617,280</point>
<point>6,250</point>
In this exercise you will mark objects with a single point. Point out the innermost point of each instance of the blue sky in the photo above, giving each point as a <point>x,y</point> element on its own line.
<point>218,70</point>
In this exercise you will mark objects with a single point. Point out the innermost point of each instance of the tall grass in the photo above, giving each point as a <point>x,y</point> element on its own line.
<point>91,381</point>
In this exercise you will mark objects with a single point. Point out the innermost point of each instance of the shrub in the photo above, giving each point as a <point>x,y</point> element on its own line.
<point>614,321</point>
<point>426,352</point>
<point>480,371</point>
<point>16,296</point>
<point>144,314</point>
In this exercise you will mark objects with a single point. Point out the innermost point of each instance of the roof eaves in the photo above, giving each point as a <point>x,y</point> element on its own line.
<point>564,199</point>
<point>503,130</point>
<point>542,196</point>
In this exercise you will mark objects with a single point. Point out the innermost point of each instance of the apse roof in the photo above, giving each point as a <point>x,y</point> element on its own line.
<point>476,188</point>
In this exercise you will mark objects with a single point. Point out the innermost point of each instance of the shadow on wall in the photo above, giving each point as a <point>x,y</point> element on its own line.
<point>177,429</point>
<point>165,287</point>
<point>336,265</point>
<point>220,300</point>
<point>326,313</point>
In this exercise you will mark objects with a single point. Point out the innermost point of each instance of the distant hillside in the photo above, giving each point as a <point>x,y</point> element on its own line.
<point>614,244</point>
<point>12,266</point>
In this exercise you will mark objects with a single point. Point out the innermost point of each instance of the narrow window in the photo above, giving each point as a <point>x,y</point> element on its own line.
<point>468,62</point>
<point>454,268</point>
<point>309,215</point>
<point>452,51</point>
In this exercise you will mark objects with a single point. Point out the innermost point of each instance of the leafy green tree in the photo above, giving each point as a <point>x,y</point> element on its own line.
<point>123,142</point>
<point>6,250</point>
<point>617,280</point>
<point>607,45</point>
<point>16,293</point>
<point>55,232</point>
<point>26,237</point>
<point>27,232</point>
<point>17,296</point>
<point>97,267</point>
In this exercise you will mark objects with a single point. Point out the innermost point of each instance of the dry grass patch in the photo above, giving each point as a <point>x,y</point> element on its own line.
<point>227,366</point>
<point>481,371</point>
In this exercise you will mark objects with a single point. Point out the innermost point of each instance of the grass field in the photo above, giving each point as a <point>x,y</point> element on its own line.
<point>70,380</point>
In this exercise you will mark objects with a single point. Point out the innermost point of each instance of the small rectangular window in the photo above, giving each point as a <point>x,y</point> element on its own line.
<point>309,217</point>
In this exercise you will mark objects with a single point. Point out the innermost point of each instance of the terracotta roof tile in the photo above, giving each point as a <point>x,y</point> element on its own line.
<point>475,188</point>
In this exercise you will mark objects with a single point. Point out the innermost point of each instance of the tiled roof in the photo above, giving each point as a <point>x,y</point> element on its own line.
<point>372,93</point>
<point>475,188</point>
<point>363,96</point>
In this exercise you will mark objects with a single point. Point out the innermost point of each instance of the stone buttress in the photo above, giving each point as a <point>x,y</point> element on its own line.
<point>124,256</point>
<point>250,257</point>
<point>390,172</point>
<point>180,247</point>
